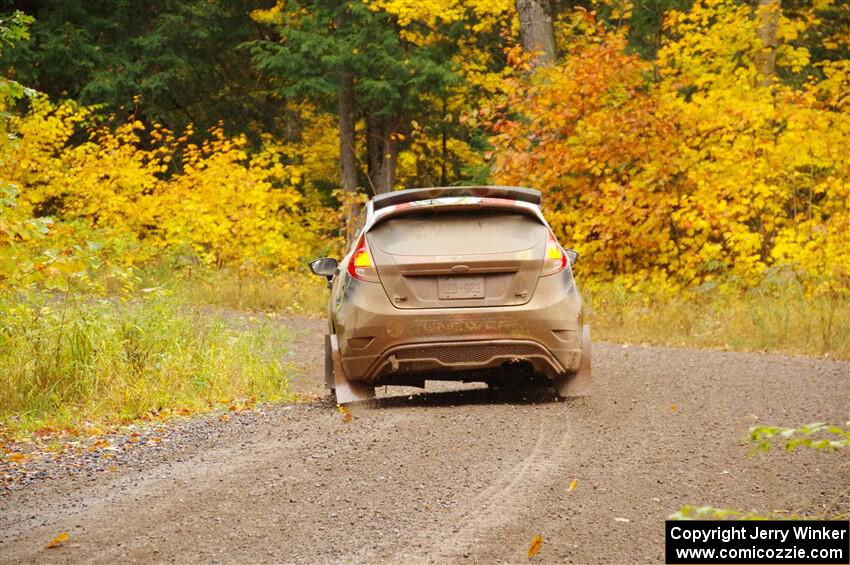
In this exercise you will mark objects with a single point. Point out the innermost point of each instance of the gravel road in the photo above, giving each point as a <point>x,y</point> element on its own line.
<point>464,475</point>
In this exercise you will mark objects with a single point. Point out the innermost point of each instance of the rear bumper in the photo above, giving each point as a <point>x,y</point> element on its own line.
<point>383,344</point>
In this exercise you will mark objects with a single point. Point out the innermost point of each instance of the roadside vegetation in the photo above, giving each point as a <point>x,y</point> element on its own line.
<point>762,439</point>
<point>778,315</point>
<point>69,361</point>
<point>287,293</point>
<point>196,161</point>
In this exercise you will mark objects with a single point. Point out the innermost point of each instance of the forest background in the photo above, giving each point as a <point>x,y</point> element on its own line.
<point>164,159</point>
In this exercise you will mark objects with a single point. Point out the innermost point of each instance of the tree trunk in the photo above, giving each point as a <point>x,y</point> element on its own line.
<point>389,162</point>
<point>382,145</point>
<point>374,142</point>
<point>536,29</point>
<point>347,148</point>
<point>767,12</point>
<point>443,144</point>
<point>347,155</point>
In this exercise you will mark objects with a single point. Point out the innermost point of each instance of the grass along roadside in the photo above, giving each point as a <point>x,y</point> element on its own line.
<point>778,318</point>
<point>290,293</point>
<point>774,316</point>
<point>71,361</point>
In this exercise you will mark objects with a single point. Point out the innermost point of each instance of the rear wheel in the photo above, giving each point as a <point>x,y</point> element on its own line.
<point>330,386</point>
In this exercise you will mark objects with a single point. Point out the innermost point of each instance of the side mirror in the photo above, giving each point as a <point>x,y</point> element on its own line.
<point>325,267</point>
<point>572,255</point>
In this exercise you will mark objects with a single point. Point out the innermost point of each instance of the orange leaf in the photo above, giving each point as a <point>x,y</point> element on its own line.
<point>347,417</point>
<point>59,540</point>
<point>536,542</point>
<point>100,443</point>
<point>17,457</point>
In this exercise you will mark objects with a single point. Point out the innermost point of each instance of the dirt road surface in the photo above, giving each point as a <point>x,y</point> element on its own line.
<point>450,476</point>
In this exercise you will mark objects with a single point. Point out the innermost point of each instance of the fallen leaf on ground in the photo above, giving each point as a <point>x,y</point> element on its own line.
<point>224,417</point>
<point>58,540</point>
<point>536,542</point>
<point>673,408</point>
<point>17,457</point>
<point>573,485</point>
<point>346,413</point>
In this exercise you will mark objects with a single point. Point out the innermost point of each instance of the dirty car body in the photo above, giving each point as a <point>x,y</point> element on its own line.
<point>458,283</point>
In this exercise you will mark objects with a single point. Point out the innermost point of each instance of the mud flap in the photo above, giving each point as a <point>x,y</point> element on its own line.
<point>347,391</point>
<point>578,383</point>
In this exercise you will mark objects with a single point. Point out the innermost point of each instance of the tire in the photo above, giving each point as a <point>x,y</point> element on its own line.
<point>329,367</point>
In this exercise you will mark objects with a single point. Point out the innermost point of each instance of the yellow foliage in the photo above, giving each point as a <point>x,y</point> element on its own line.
<point>681,173</point>
<point>701,177</point>
<point>139,192</point>
<point>486,13</point>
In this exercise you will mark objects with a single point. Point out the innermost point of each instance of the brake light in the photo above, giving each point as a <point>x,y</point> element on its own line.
<point>361,266</point>
<point>555,260</point>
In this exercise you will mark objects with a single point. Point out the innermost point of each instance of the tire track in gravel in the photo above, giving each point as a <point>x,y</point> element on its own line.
<point>496,505</point>
<point>454,476</point>
<point>174,497</point>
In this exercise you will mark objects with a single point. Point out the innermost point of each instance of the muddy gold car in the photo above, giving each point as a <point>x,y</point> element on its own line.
<point>460,283</point>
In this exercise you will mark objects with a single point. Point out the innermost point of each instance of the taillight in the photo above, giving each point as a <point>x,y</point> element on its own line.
<point>555,260</point>
<point>361,266</point>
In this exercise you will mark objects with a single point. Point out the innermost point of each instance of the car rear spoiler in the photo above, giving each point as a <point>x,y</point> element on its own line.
<point>413,194</point>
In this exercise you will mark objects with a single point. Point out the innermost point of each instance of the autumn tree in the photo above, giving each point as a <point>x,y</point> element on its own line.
<point>695,177</point>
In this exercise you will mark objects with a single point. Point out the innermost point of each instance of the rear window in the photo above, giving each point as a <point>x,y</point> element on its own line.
<point>457,233</point>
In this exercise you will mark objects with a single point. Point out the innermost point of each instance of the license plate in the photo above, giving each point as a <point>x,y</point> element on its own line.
<point>459,288</point>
